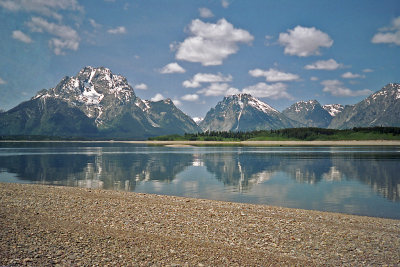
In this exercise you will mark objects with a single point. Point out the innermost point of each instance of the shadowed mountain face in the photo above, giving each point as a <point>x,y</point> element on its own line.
<point>379,109</point>
<point>169,118</point>
<point>95,102</point>
<point>309,113</point>
<point>46,117</point>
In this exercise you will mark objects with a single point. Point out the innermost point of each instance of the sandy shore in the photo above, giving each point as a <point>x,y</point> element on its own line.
<point>241,143</point>
<point>44,225</point>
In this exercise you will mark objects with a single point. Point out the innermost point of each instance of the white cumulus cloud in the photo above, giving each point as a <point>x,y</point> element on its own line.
<point>273,75</point>
<point>388,35</point>
<point>2,81</point>
<point>209,44</point>
<point>350,75</point>
<point>217,89</point>
<point>20,36</point>
<point>117,30</point>
<point>274,91</point>
<point>336,88</point>
<point>64,37</point>
<point>329,64</point>
<point>205,13</point>
<point>190,97</point>
<point>141,86</point>
<point>172,68</point>
<point>199,78</point>
<point>304,42</point>
<point>157,97</point>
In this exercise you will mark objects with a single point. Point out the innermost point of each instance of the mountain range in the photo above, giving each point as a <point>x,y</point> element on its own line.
<point>99,104</point>
<point>245,113</point>
<point>95,103</point>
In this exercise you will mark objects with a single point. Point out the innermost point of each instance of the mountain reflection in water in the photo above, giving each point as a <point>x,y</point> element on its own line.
<point>107,171</point>
<point>241,168</point>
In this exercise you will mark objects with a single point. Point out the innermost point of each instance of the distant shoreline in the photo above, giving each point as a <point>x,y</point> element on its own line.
<point>234,143</point>
<point>48,225</point>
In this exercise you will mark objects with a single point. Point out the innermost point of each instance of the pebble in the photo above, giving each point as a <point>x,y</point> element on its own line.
<point>61,226</point>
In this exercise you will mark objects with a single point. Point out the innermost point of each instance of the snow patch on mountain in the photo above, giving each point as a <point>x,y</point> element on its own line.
<point>303,106</point>
<point>245,99</point>
<point>198,119</point>
<point>391,89</point>
<point>264,107</point>
<point>333,109</point>
<point>90,96</point>
<point>146,104</point>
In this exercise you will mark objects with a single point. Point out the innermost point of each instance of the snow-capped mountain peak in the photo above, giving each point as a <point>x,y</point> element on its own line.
<point>244,100</point>
<point>97,101</point>
<point>305,105</point>
<point>93,90</point>
<point>243,112</point>
<point>91,85</point>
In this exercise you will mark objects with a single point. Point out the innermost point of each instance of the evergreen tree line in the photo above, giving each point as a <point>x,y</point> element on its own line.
<point>308,134</point>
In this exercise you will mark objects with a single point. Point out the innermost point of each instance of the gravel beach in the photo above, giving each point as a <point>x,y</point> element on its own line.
<point>63,226</point>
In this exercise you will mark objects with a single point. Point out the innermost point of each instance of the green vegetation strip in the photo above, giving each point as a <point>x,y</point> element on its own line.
<point>291,134</point>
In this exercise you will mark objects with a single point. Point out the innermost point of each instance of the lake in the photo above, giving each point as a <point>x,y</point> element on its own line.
<point>357,180</point>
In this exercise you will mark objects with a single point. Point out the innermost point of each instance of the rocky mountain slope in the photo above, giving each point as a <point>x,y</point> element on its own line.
<point>379,109</point>
<point>95,103</point>
<point>309,113</point>
<point>242,112</point>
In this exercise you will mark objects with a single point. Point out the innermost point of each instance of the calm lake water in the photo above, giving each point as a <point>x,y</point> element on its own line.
<point>355,180</point>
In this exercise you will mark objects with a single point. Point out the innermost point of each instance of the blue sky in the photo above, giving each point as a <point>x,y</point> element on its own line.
<point>195,52</point>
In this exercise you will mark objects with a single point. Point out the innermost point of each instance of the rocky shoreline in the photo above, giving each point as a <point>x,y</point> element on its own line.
<point>47,225</point>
